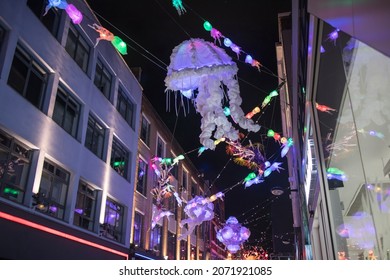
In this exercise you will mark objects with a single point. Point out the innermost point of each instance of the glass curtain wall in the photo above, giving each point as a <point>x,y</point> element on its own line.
<point>352,109</point>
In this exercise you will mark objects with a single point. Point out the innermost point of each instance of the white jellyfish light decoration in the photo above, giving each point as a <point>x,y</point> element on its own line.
<point>233,235</point>
<point>199,65</point>
<point>198,210</point>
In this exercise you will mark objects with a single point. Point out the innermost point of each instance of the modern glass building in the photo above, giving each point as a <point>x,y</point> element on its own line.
<point>335,55</point>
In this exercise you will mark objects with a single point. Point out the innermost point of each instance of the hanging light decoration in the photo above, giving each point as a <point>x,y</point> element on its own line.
<point>178,4</point>
<point>198,210</point>
<point>197,64</point>
<point>119,45</point>
<point>59,4</point>
<point>104,34</point>
<point>75,15</point>
<point>233,235</point>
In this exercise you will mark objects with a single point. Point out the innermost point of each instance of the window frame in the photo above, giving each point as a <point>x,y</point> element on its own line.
<point>130,110</point>
<point>159,140</point>
<point>184,183</point>
<point>93,125</point>
<point>142,189</point>
<point>137,233</point>
<point>156,230</point>
<point>79,42</point>
<point>67,98</point>
<point>51,20</point>
<point>33,66</point>
<point>145,121</point>
<point>12,148</point>
<point>118,146</point>
<point>107,230</point>
<point>91,219</point>
<point>45,203</point>
<point>105,75</point>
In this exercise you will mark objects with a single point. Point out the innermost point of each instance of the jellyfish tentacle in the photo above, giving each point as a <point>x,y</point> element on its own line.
<point>235,110</point>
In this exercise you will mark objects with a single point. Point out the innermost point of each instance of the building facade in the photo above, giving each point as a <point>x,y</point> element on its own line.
<point>69,122</point>
<point>336,60</point>
<point>163,241</point>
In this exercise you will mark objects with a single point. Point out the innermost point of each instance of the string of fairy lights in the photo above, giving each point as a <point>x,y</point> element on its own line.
<point>121,46</point>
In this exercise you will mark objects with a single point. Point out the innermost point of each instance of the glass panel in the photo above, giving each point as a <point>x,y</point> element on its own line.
<point>142,176</point>
<point>51,19</point>
<point>138,223</point>
<point>354,115</point>
<point>18,74</point>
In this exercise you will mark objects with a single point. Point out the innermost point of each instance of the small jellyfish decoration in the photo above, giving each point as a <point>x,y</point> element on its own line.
<point>75,15</point>
<point>199,209</point>
<point>104,34</point>
<point>178,4</point>
<point>59,4</point>
<point>233,235</point>
<point>198,65</point>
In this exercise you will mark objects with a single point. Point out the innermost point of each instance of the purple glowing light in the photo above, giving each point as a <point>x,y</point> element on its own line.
<point>53,208</point>
<point>248,59</point>
<point>227,42</point>
<point>75,15</point>
<point>334,35</point>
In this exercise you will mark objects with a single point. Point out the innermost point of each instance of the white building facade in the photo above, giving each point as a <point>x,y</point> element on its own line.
<point>69,122</point>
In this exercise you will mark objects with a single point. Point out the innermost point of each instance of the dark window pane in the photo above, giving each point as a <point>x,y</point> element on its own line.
<point>84,213</point>
<point>27,78</point>
<point>94,139</point>
<point>77,48</point>
<point>113,221</point>
<point>103,79</point>
<point>51,198</point>
<point>33,90</point>
<point>119,158</point>
<point>66,112</point>
<point>14,168</point>
<point>51,20</point>
<point>18,74</point>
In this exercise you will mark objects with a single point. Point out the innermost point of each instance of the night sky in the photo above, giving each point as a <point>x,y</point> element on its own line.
<point>152,28</point>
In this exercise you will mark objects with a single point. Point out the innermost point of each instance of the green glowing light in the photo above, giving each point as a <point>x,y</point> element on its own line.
<point>119,45</point>
<point>207,26</point>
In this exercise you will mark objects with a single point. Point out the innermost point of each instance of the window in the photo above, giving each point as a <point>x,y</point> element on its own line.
<point>51,198</point>
<point>66,112</point>
<point>354,147</point>
<point>103,79</point>
<point>171,246</point>
<point>184,181</point>
<point>145,131</point>
<point>84,212</point>
<point>175,169</point>
<point>113,221</point>
<point>141,176</point>
<point>119,158</point>
<point>27,77</point>
<point>155,239</point>
<point>160,151</point>
<point>2,35</point>
<point>183,250</point>
<point>183,214</point>
<point>126,107</point>
<point>14,168</point>
<point>78,48</point>
<point>138,223</point>
<point>51,20</point>
<point>94,140</point>
<point>193,189</point>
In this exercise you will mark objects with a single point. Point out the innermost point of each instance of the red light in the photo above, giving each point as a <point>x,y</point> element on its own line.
<point>60,233</point>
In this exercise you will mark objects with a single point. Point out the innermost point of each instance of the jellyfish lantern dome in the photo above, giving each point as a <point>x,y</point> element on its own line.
<point>233,235</point>
<point>199,65</point>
